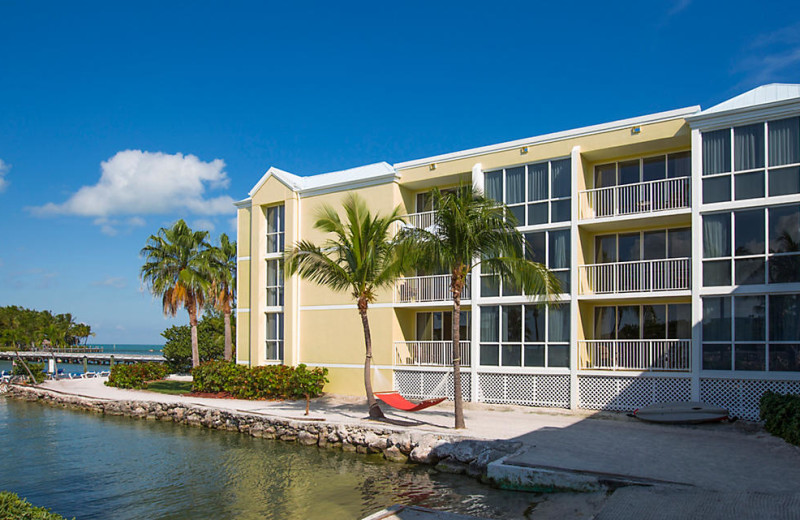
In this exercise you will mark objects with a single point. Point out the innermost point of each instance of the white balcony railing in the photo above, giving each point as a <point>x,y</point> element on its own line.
<point>429,353</point>
<point>636,354</point>
<point>669,274</point>
<point>630,199</point>
<point>421,220</point>
<point>435,288</point>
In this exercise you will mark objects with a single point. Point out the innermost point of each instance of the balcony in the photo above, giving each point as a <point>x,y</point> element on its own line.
<point>422,289</point>
<point>669,274</point>
<point>656,355</point>
<point>633,199</point>
<point>429,353</point>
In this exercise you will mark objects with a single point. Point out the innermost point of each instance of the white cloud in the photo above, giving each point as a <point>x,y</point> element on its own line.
<point>4,167</point>
<point>136,182</point>
<point>110,281</point>
<point>203,224</point>
<point>771,57</point>
<point>234,225</point>
<point>678,6</point>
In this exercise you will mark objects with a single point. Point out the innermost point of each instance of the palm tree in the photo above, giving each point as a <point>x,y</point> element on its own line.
<point>468,230</point>
<point>223,286</point>
<point>361,258</point>
<point>177,269</point>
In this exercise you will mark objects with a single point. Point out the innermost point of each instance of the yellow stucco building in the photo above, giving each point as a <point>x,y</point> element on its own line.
<point>675,236</point>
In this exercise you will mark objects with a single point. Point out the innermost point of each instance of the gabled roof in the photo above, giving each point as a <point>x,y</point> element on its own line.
<point>352,177</point>
<point>775,97</point>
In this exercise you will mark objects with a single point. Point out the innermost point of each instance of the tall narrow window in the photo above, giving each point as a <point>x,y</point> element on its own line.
<point>274,335</point>
<point>275,283</point>
<point>716,160</point>
<point>275,229</point>
<point>784,153</point>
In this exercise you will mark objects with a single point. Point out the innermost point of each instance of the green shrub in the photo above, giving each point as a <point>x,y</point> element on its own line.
<point>210,343</point>
<point>136,375</point>
<point>264,382</point>
<point>37,369</point>
<point>781,415</point>
<point>16,508</point>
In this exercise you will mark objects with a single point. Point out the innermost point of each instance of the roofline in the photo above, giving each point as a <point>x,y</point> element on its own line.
<point>557,136</point>
<point>278,174</point>
<point>743,114</point>
<point>350,184</point>
<point>244,203</point>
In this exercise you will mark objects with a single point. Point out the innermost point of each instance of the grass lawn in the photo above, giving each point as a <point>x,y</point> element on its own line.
<point>170,387</point>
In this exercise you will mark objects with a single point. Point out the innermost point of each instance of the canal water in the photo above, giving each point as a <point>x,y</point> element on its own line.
<point>91,466</point>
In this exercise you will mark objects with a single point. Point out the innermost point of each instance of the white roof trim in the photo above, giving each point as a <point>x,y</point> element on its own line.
<point>772,101</point>
<point>360,176</point>
<point>557,136</point>
<point>285,177</point>
<point>244,203</point>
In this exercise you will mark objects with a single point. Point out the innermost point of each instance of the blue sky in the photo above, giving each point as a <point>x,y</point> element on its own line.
<point>109,110</point>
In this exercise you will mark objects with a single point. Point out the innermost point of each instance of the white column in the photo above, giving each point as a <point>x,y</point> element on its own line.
<point>475,332</point>
<point>697,262</point>
<point>576,169</point>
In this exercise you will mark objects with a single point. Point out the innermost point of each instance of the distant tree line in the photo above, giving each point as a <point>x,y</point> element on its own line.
<point>27,329</point>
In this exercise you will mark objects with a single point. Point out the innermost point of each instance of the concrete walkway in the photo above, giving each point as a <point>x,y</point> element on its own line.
<point>728,459</point>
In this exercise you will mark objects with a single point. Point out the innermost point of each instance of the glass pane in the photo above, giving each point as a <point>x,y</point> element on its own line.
<point>494,185</point>
<point>784,357</point>
<point>629,172</point>
<point>716,235</point>
<point>654,321</point>
<point>559,210</point>
<point>558,356</point>
<point>272,244</point>
<point>716,189</point>
<point>424,202</point>
<point>679,325</point>
<point>750,271</point>
<point>784,141</point>
<point>784,317</point>
<point>716,152</point>
<point>604,322</point>
<point>749,232</point>
<point>784,229</point>
<point>537,182</point>
<point>509,288</point>
<point>534,355</point>
<point>654,168</point>
<point>437,326</point>
<point>784,269</point>
<point>512,355</point>
<point>716,273</point>
<point>447,326</point>
<point>628,322</point>
<point>749,185</point>
<point>605,176</point>
<point>490,285</point>
<point>784,181</point>
<point>465,328</point>
<point>424,326</point>
<point>655,245</point>
<point>748,147</point>
<point>512,323</point>
<point>535,250</point>
<point>605,248</point>
<point>563,279</point>
<point>629,247</point>
<point>490,320</point>
<point>272,273</point>
<point>679,243</point>
<point>558,326</point>
<point>559,249</point>
<point>749,318</point>
<point>519,214</point>
<point>537,213</point>
<point>679,165</point>
<point>561,173</point>
<point>716,356</point>
<point>272,220</point>
<point>490,355</point>
<point>534,323</point>
<point>716,319</point>
<point>750,356</point>
<point>515,185</point>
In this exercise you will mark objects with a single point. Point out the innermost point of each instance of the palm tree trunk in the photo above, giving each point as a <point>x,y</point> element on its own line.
<point>228,340</point>
<point>193,323</point>
<point>375,411</point>
<point>457,285</point>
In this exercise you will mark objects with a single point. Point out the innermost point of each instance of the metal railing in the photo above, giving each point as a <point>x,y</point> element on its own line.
<point>421,220</point>
<point>642,197</point>
<point>435,288</point>
<point>429,353</point>
<point>665,355</point>
<point>668,274</point>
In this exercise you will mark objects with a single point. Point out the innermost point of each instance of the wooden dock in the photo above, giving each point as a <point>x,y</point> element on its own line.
<point>92,358</point>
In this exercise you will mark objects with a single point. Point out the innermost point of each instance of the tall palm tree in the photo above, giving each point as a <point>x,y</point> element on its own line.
<point>223,285</point>
<point>360,258</point>
<point>468,230</point>
<point>177,269</point>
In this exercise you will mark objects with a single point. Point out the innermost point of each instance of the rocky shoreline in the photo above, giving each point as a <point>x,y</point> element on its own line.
<point>447,453</point>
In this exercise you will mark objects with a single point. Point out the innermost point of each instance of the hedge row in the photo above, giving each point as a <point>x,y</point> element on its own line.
<point>14,507</point>
<point>781,415</point>
<point>263,382</point>
<point>136,375</point>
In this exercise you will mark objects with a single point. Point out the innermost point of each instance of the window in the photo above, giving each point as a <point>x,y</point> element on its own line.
<point>764,160</point>
<point>735,248</point>
<point>275,283</point>
<point>274,336</point>
<point>751,332</point>
<point>275,229</point>
<point>534,193</point>
<point>525,336</point>
<point>438,326</point>
<point>635,322</point>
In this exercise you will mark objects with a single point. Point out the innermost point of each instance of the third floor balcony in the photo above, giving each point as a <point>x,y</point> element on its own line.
<point>667,274</point>
<point>635,199</point>
<point>426,289</point>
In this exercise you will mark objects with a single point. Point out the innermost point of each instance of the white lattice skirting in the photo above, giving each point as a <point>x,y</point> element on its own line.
<point>741,396</point>
<point>629,393</point>
<point>420,384</point>
<point>524,389</point>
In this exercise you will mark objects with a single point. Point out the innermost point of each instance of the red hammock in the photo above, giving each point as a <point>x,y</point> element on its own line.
<point>395,400</point>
